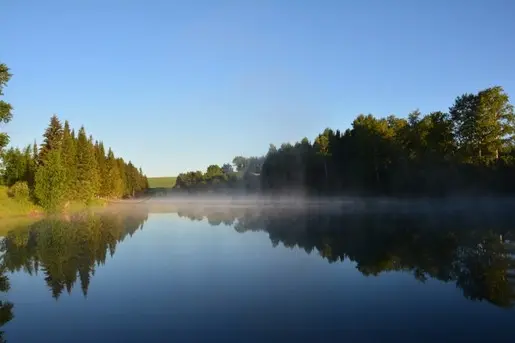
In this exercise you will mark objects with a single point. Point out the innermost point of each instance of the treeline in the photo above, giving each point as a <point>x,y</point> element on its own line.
<point>469,149</point>
<point>69,167</point>
<point>244,175</point>
<point>466,150</point>
<point>66,167</point>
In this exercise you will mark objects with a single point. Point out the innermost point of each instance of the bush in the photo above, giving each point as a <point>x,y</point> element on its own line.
<point>19,191</point>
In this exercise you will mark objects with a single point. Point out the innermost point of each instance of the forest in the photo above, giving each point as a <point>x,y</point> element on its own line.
<point>467,150</point>
<point>66,167</point>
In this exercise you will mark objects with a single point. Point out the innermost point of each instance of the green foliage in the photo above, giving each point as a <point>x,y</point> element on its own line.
<point>13,211</point>
<point>67,168</point>
<point>240,162</point>
<point>18,166</point>
<point>87,179</point>
<point>69,158</point>
<point>100,156</point>
<point>53,138</point>
<point>469,150</point>
<point>484,125</point>
<point>227,169</point>
<point>114,183</point>
<point>223,179</point>
<point>50,183</point>
<point>5,108</point>
<point>20,191</point>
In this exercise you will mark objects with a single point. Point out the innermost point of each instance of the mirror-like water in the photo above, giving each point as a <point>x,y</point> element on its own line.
<point>239,274</point>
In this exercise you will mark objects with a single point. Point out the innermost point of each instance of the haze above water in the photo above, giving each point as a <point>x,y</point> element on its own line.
<point>196,271</point>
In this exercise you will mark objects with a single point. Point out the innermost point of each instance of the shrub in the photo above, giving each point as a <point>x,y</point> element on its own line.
<point>19,191</point>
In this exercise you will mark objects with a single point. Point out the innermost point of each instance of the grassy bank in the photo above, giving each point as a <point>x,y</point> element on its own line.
<point>162,182</point>
<point>12,208</point>
<point>14,213</point>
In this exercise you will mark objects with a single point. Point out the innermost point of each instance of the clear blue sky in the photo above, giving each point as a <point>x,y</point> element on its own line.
<point>178,85</point>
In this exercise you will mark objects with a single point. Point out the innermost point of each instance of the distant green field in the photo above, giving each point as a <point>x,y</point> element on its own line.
<point>161,182</point>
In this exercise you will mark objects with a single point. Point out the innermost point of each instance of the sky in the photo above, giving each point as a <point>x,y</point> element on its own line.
<point>177,85</point>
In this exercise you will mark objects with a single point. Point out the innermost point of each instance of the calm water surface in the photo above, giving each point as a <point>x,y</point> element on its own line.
<point>243,275</point>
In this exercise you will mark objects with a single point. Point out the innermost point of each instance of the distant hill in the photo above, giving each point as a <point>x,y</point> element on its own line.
<point>162,182</point>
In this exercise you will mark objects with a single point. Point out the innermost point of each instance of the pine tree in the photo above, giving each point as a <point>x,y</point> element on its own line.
<point>95,176</point>
<point>69,158</point>
<point>35,153</point>
<point>123,176</point>
<point>53,138</point>
<point>50,182</point>
<point>102,168</point>
<point>86,173</point>
<point>114,183</point>
<point>132,179</point>
<point>30,164</point>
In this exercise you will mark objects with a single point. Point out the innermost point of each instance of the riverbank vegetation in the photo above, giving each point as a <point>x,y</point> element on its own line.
<point>467,150</point>
<point>65,170</point>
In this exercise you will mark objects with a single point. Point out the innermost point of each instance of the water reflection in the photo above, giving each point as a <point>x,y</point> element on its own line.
<point>64,250</point>
<point>473,251</point>
<point>6,308</point>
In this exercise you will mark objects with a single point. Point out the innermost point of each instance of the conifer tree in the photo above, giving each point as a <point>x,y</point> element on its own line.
<point>50,182</point>
<point>114,183</point>
<point>123,176</point>
<point>35,152</point>
<point>69,158</point>
<point>30,163</point>
<point>53,138</point>
<point>86,173</point>
<point>132,179</point>
<point>102,171</point>
<point>95,178</point>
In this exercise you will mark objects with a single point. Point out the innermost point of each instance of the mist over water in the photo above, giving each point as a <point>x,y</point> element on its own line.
<point>466,206</point>
<point>254,269</point>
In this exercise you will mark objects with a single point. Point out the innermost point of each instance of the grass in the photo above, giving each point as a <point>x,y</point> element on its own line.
<point>10,207</point>
<point>162,182</point>
<point>15,213</point>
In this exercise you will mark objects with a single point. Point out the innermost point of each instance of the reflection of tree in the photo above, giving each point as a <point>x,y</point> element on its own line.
<point>452,249</point>
<point>6,308</point>
<point>63,250</point>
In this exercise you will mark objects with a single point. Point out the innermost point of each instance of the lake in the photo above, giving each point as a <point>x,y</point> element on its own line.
<point>190,273</point>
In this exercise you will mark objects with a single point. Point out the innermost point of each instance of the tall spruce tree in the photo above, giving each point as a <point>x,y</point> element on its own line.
<point>95,174</point>
<point>123,176</point>
<point>30,162</point>
<point>85,185</point>
<point>69,158</point>
<point>100,156</point>
<point>114,182</point>
<point>53,138</point>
